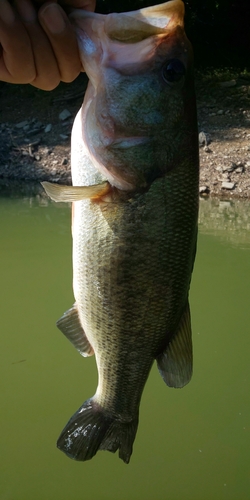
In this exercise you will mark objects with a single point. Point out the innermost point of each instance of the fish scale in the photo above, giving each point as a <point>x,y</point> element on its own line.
<point>161,279</point>
<point>134,226</point>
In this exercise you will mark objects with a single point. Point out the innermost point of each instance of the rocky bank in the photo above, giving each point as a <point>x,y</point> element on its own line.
<point>35,128</point>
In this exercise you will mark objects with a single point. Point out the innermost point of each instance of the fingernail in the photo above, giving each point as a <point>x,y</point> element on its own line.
<point>6,12</point>
<point>53,18</point>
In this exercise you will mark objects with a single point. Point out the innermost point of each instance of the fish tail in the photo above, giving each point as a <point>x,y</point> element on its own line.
<point>92,429</point>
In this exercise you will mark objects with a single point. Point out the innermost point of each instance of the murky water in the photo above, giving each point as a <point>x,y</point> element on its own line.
<point>192,444</point>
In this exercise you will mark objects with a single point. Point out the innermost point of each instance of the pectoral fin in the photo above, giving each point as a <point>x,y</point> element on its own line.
<point>70,326</point>
<point>175,363</point>
<point>58,192</point>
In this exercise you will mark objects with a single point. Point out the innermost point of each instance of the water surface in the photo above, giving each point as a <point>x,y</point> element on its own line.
<point>193,443</point>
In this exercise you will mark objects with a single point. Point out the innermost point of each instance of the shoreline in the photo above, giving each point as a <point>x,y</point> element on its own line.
<point>35,128</point>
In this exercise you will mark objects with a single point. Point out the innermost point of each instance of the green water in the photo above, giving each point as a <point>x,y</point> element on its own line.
<point>193,443</point>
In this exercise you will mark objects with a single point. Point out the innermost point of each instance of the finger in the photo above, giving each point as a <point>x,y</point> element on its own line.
<point>16,56</point>
<point>75,4</point>
<point>80,4</point>
<point>63,40</point>
<point>47,75</point>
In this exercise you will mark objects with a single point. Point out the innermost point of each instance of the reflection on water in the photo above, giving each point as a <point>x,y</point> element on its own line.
<point>16,189</point>
<point>227,220</point>
<point>193,443</point>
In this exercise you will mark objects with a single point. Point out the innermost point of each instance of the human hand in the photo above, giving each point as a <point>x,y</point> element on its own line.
<point>37,42</point>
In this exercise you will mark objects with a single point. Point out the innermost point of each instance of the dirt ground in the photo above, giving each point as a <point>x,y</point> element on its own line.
<point>35,140</point>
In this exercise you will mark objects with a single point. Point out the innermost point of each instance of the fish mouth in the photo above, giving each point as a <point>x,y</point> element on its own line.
<point>128,142</point>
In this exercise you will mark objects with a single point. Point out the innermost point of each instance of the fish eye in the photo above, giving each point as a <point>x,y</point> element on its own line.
<point>173,71</point>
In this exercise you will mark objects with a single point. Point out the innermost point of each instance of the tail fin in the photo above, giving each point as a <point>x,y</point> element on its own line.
<point>92,429</point>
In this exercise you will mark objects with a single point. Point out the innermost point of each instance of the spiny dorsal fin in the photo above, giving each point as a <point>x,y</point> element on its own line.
<point>58,192</point>
<point>70,326</point>
<point>176,362</point>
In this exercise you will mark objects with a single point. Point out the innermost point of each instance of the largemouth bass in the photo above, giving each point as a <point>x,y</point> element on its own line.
<point>135,205</point>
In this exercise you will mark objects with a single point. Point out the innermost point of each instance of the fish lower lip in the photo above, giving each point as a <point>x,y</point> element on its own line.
<point>128,142</point>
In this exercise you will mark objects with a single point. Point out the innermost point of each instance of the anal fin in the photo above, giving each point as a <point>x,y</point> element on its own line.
<point>175,364</point>
<point>70,326</point>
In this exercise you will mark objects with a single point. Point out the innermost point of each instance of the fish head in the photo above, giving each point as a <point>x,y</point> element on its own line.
<point>138,115</point>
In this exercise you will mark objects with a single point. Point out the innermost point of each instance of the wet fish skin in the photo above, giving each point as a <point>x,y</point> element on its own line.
<point>134,245</point>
